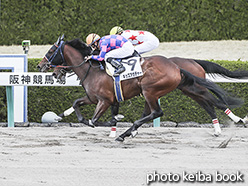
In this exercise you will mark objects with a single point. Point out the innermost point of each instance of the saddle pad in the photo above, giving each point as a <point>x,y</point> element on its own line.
<point>133,68</point>
<point>118,89</point>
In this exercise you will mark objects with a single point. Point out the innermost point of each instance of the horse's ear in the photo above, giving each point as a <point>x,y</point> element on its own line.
<point>62,37</point>
<point>57,42</point>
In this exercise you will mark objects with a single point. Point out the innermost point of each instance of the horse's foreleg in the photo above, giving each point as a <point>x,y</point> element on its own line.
<point>115,113</point>
<point>115,116</point>
<point>146,111</point>
<point>101,107</point>
<point>155,113</point>
<point>76,107</point>
<point>67,112</point>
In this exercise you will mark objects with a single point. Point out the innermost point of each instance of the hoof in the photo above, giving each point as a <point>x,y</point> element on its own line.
<point>58,118</point>
<point>217,134</point>
<point>217,131</point>
<point>245,120</point>
<point>120,139</point>
<point>88,123</point>
<point>134,133</point>
<point>92,126</point>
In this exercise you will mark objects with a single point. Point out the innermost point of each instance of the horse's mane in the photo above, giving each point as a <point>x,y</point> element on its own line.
<point>80,46</point>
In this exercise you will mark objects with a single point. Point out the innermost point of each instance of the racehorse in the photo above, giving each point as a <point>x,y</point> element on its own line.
<point>160,77</point>
<point>197,68</point>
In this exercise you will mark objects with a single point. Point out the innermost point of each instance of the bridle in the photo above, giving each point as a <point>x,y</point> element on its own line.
<point>57,58</point>
<point>57,54</point>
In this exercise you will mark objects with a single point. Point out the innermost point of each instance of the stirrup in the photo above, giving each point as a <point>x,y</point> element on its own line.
<point>119,71</point>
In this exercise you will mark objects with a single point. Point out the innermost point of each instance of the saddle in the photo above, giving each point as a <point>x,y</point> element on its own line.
<point>133,68</point>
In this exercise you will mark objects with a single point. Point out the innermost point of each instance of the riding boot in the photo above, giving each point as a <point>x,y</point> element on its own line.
<point>116,64</point>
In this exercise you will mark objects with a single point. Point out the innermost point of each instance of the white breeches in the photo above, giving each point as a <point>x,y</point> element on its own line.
<point>150,42</point>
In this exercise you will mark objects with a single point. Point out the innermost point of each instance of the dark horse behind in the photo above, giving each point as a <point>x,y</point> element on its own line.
<point>160,77</point>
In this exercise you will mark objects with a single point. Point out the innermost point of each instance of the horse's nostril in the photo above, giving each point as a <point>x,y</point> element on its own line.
<point>38,66</point>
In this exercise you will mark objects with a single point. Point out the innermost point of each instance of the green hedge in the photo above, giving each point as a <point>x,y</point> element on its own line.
<point>44,20</point>
<point>176,106</point>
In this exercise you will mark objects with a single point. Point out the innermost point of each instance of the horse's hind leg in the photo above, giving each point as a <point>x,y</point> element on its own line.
<point>235,118</point>
<point>207,101</point>
<point>229,113</point>
<point>211,111</point>
<point>156,112</point>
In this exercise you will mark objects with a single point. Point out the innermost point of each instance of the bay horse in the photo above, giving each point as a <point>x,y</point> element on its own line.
<point>198,68</point>
<point>160,77</point>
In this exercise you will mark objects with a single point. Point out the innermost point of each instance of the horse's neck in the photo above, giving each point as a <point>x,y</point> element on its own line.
<point>74,58</point>
<point>82,71</point>
<point>85,72</point>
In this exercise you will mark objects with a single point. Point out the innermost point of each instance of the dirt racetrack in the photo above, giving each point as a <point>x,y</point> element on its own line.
<point>82,156</point>
<point>61,156</point>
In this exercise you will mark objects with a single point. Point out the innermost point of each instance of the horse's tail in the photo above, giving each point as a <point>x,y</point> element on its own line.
<point>211,68</point>
<point>193,83</point>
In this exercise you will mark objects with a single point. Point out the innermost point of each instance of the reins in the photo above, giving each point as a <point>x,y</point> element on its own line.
<point>87,72</point>
<point>75,66</point>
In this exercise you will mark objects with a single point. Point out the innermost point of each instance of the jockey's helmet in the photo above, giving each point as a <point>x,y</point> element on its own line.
<point>92,38</point>
<point>116,30</point>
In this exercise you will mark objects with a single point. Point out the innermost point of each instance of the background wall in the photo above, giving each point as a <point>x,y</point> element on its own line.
<point>42,21</point>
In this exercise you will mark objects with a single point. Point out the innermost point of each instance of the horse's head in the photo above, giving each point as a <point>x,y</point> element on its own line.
<point>53,57</point>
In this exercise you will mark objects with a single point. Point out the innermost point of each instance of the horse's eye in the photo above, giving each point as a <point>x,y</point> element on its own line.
<point>50,52</point>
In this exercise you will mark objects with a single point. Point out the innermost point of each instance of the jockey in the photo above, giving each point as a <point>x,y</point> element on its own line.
<point>111,47</point>
<point>143,41</point>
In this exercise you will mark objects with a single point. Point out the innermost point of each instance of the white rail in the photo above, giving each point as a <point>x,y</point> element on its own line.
<point>46,79</point>
<point>10,79</point>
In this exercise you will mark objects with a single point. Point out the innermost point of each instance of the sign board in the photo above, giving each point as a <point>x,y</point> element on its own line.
<point>36,79</point>
<point>17,63</point>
